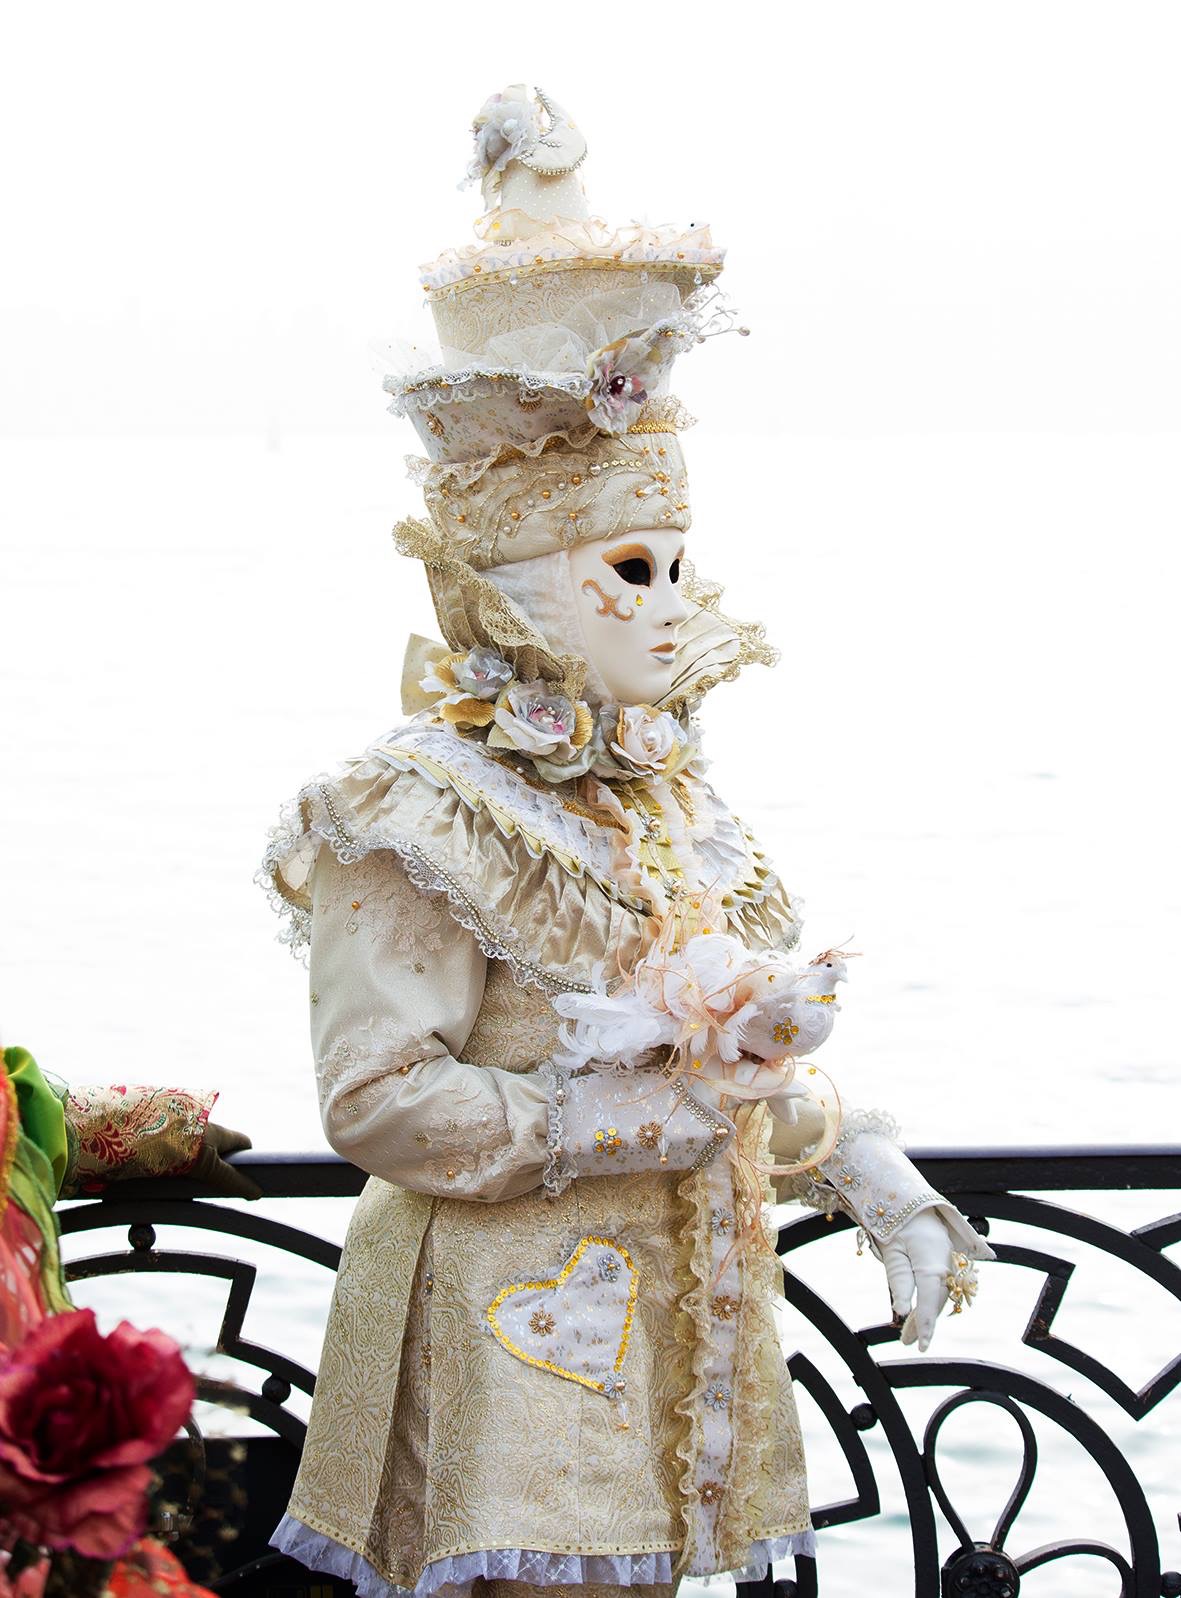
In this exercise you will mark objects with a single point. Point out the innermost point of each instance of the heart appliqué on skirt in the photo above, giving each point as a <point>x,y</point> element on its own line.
<point>576,1324</point>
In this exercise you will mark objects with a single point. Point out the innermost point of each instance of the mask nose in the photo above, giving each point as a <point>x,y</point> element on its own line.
<point>672,609</point>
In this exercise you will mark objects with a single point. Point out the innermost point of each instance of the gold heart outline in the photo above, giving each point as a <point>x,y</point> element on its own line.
<point>556,1281</point>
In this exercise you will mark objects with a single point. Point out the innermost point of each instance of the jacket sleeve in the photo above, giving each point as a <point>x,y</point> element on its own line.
<point>395,989</point>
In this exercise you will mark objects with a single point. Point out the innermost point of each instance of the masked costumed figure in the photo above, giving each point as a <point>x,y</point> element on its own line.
<point>554,1007</point>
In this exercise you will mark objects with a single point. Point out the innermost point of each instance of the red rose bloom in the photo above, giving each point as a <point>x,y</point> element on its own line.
<point>80,1417</point>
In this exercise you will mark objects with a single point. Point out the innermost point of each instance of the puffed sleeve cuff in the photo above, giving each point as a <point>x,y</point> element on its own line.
<point>602,1125</point>
<point>869,1176</point>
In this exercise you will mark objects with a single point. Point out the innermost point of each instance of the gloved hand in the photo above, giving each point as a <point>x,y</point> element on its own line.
<point>920,1259</point>
<point>211,1169</point>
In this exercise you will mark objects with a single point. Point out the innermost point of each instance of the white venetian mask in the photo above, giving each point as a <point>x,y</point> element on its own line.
<point>630,610</point>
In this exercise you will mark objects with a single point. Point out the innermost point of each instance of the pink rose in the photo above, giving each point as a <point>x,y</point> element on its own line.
<point>80,1417</point>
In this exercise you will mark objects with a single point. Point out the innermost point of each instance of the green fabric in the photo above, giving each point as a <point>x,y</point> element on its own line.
<point>38,1166</point>
<point>29,1187</point>
<point>43,1119</point>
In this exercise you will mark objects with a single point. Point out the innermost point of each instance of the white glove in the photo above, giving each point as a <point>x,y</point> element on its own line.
<point>926,1245</point>
<point>919,1259</point>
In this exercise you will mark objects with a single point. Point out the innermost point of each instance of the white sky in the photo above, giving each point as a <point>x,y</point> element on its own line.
<point>944,468</point>
<point>940,217</point>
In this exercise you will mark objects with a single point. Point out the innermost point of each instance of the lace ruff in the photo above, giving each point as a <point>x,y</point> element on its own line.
<point>545,821</point>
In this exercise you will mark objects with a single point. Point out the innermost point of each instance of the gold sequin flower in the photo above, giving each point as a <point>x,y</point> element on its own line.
<point>711,1492</point>
<point>648,1135</point>
<point>725,1307</point>
<point>608,1140</point>
<point>542,1323</point>
<point>785,1032</point>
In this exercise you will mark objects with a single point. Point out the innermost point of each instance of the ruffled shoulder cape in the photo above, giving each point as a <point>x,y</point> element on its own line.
<point>540,879</point>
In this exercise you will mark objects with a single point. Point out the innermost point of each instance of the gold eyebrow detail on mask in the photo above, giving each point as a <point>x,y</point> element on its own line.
<point>608,603</point>
<point>615,557</point>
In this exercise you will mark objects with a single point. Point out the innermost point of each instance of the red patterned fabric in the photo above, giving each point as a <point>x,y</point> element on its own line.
<point>150,1571</point>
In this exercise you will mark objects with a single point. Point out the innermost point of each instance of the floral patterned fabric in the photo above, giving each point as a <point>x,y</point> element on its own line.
<point>150,1571</point>
<point>135,1131</point>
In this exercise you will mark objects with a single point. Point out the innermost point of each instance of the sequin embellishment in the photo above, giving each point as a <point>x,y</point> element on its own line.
<point>579,1321</point>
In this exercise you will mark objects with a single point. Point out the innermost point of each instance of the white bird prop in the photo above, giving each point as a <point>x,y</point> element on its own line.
<point>711,1002</point>
<point>798,1008</point>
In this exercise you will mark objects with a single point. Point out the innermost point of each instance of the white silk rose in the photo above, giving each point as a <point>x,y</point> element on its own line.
<point>465,683</point>
<point>625,373</point>
<point>482,673</point>
<point>619,374</point>
<point>642,741</point>
<point>504,131</point>
<point>551,730</point>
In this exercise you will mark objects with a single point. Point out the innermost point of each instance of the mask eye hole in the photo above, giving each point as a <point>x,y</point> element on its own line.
<point>674,571</point>
<point>633,564</point>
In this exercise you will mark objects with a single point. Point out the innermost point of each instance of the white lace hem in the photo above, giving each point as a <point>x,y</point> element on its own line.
<point>453,1578</point>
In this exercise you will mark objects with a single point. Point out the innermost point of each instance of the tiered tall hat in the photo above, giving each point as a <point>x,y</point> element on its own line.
<point>552,323</point>
<point>547,421</point>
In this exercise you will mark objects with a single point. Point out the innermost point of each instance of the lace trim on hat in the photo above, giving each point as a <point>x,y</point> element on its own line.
<point>473,612</point>
<point>465,474</point>
<point>440,385</point>
<point>569,241</point>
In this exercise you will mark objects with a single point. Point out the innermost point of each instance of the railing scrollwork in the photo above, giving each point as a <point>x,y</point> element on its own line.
<point>237,1489</point>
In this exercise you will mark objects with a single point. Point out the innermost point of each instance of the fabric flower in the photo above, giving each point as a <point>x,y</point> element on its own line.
<point>614,1386</point>
<point>644,741</point>
<point>80,1417</point>
<point>717,1396</point>
<point>504,131</point>
<point>619,374</point>
<point>482,673</point>
<point>624,373</point>
<point>465,683</point>
<point>538,723</point>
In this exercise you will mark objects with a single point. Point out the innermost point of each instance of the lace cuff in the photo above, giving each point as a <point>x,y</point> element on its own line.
<point>874,1180</point>
<point>868,1175</point>
<point>603,1125</point>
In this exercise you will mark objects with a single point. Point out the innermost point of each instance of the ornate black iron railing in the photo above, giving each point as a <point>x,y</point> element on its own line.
<point>230,1494</point>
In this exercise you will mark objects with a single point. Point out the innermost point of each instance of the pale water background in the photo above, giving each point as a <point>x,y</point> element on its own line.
<point>944,471</point>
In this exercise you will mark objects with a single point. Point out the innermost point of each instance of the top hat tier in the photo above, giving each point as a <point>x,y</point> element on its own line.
<point>551,321</point>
